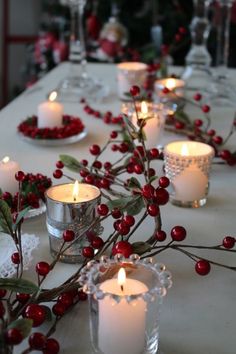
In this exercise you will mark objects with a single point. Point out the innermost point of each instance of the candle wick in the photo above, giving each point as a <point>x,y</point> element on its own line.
<point>74,199</point>
<point>122,288</point>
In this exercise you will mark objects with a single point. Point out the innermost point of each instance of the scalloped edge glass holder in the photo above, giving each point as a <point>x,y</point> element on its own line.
<point>154,276</point>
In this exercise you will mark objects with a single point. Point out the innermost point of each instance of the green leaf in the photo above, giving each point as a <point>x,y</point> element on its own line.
<point>48,313</point>
<point>182,116</point>
<point>129,123</point>
<point>20,216</point>
<point>140,247</point>
<point>71,163</point>
<point>5,217</point>
<point>0,192</point>
<point>136,206</point>
<point>24,325</point>
<point>18,285</point>
<point>119,203</point>
<point>153,178</point>
<point>134,183</point>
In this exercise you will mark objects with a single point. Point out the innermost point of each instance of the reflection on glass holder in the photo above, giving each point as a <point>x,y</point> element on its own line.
<point>124,315</point>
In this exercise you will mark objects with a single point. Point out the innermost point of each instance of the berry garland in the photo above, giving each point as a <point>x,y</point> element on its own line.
<point>71,126</point>
<point>127,202</point>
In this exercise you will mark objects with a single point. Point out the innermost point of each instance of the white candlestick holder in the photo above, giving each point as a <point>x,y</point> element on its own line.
<point>125,318</point>
<point>187,165</point>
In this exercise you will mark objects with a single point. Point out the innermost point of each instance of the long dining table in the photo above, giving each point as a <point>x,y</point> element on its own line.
<point>199,312</point>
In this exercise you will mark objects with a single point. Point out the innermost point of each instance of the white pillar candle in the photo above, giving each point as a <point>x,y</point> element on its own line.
<point>129,74</point>
<point>154,117</point>
<point>187,164</point>
<point>50,113</point>
<point>73,193</point>
<point>8,170</point>
<point>122,325</point>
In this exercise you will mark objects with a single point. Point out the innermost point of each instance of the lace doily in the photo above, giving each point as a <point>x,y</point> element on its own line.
<point>7,247</point>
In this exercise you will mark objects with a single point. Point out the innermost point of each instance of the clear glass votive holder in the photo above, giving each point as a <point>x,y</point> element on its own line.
<point>129,74</point>
<point>63,213</point>
<point>125,313</point>
<point>153,114</point>
<point>187,165</point>
<point>175,88</point>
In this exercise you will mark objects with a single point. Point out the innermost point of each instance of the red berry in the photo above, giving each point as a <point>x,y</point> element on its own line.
<point>22,298</point>
<point>225,154</point>
<point>182,30</point>
<point>15,258</point>
<point>37,341</point>
<point>95,149</point>
<point>68,235</point>
<point>97,164</point>
<point>42,268</point>
<point>123,228</point>
<point>57,174</point>
<point>160,235</point>
<point>197,97</point>
<point>51,347</point>
<point>66,299</point>
<point>102,209</point>
<point>139,151</point>
<point>83,173</point>
<point>211,132</point>
<point>164,182</point>
<point>179,125</point>
<point>162,196</point>
<point>82,295</point>
<point>13,336</point>
<point>36,313</point>
<point>198,122</point>
<point>202,267</point>
<point>148,191</point>
<point>88,252</point>
<point>123,247</point>
<point>114,147</point>
<point>113,134</point>
<point>123,148</point>
<point>104,183</point>
<point>134,91</point>
<point>19,176</point>
<point>178,233</point>
<point>59,309</point>
<point>129,220</point>
<point>151,172</point>
<point>217,140</point>
<point>2,310</point>
<point>89,179</point>
<point>97,242</point>
<point>154,153</point>
<point>116,213</point>
<point>84,162</point>
<point>165,90</point>
<point>228,242</point>
<point>206,108</point>
<point>138,169</point>
<point>59,164</point>
<point>153,209</point>
<point>107,165</point>
<point>2,293</point>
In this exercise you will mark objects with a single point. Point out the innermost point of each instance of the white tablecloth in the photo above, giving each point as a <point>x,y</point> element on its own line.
<point>199,313</point>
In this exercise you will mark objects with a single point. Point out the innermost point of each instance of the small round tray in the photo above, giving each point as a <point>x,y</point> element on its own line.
<point>54,142</point>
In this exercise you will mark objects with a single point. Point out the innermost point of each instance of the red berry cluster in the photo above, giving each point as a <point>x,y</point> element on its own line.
<point>71,126</point>
<point>33,187</point>
<point>107,117</point>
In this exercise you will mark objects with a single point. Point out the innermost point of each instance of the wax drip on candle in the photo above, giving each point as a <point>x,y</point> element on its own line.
<point>121,278</point>
<point>52,96</point>
<point>184,150</point>
<point>6,159</point>
<point>75,190</point>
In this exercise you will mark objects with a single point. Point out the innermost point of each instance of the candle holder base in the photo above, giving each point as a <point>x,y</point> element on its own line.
<point>185,204</point>
<point>55,245</point>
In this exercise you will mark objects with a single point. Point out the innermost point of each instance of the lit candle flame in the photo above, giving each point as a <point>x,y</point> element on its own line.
<point>121,278</point>
<point>76,191</point>
<point>52,96</point>
<point>144,107</point>
<point>170,84</point>
<point>184,150</point>
<point>6,159</point>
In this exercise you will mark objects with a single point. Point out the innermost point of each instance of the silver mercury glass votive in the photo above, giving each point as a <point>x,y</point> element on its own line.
<point>69,211</point>
<point>125,297</point>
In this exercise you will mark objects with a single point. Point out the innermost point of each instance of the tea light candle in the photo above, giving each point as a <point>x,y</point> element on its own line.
<point>8,170</point>
<point>187,164</point>
<point>73,193</point>
<point>50,113</point>
<point>154,116</point>
<point>175,86</point>
<point>121,327</point>
<point>129,74</point>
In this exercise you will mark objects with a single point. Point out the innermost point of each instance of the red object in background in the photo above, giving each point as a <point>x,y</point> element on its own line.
<point>93,26</point>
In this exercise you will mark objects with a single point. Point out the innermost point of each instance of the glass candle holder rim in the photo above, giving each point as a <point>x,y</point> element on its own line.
<point>72,202</point>
<point>159,83</point>
<point>209,152</point>
<point>93,267</point>
<point>132,66</point>
<point>153,107</point>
